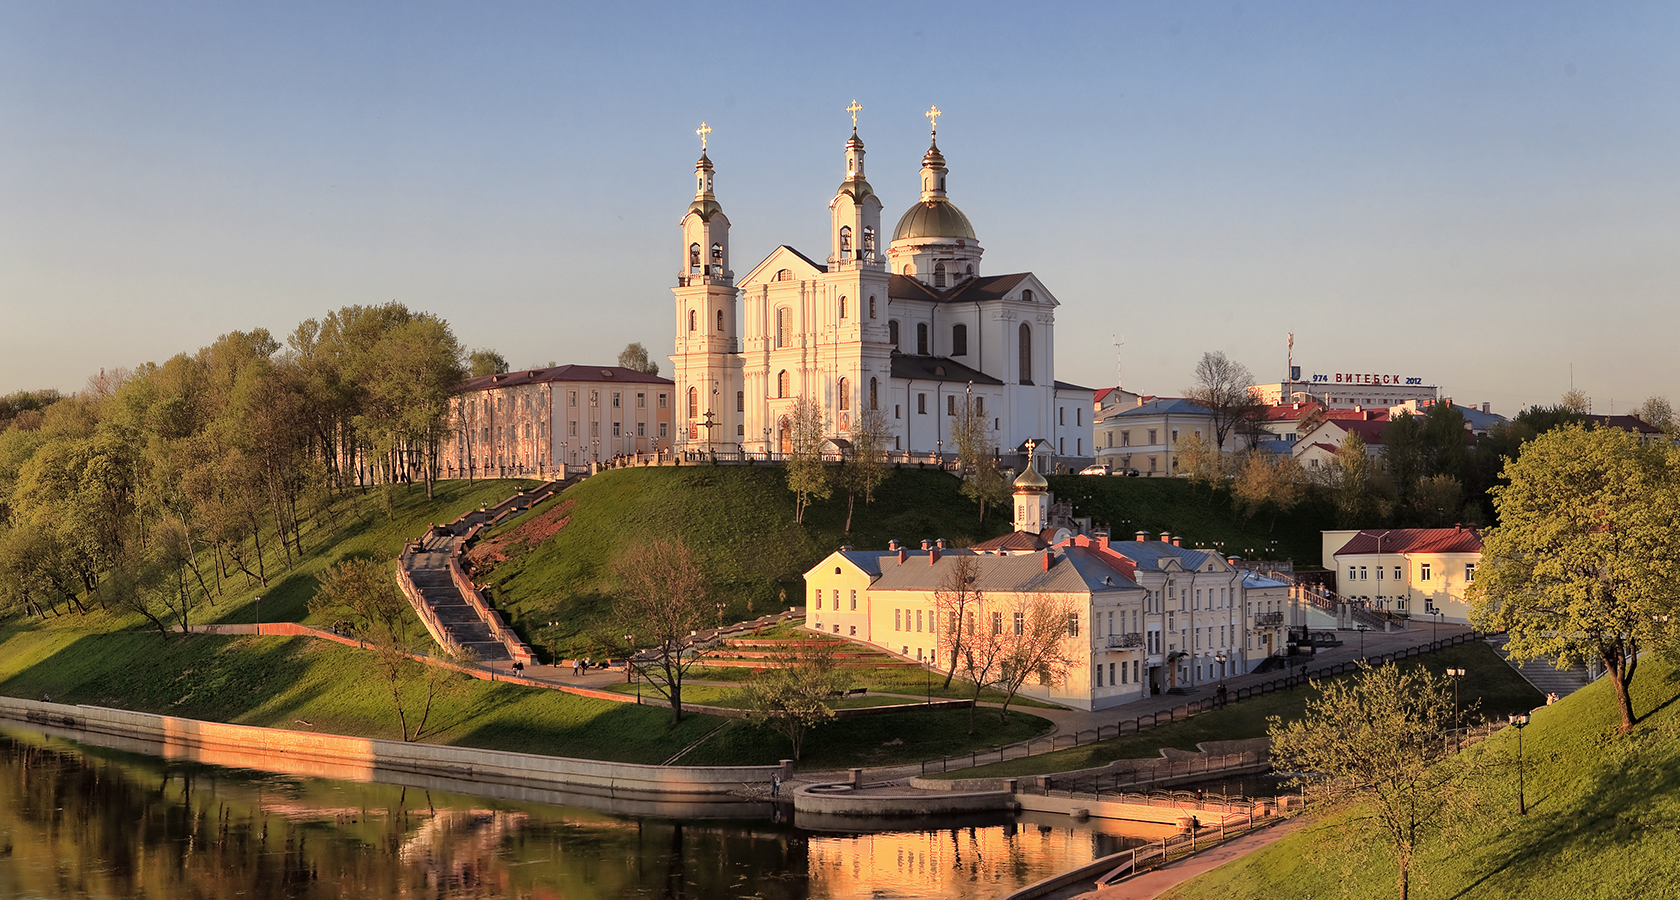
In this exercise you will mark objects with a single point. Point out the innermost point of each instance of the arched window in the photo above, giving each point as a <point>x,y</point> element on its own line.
<point>720,320</point>
<point>892,333</point>
<point>693,403</point>
<point>959,340</point>
<point>1027,296</point>
<point>938,275</point>
<point>868,244</point>
<point>691,319</point>
<point>1026,353</point>
<point>693,259</point>
<point>971,270</point>
<point>845,242</point>
<point>845,394</point>
<point>921,338</point>
<point>717,259</point>
<point>782,325</point>
<point>873,395</point>
<point>740,401</point>
<point>784,275</point>
<point>871,307</point>
<point>842,307</point>
<point>782,383</point>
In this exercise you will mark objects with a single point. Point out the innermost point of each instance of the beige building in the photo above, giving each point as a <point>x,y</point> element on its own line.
<point>530,422</point>
<point>1422,572</point>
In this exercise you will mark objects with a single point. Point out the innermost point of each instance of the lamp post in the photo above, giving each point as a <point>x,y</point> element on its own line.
<point>1520,720</point>
<point>629,652</point>
<point>939,451</point>
<point>720,615</point>
<point>766,444</point>
<point>1455,675</point>
<point>1362,629</point>
<point>259,614</point>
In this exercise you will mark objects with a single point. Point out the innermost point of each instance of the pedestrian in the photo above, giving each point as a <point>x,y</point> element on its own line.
<point>775,785</point>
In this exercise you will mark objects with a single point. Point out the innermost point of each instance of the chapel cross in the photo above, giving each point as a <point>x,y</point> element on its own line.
<point>703,130</point>
<point>933,116</point>
<point>853,109</point>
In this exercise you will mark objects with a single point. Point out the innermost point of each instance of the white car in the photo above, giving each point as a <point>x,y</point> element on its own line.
<point>1096,470</point>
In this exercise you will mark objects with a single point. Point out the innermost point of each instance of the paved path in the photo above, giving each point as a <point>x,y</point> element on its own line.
<point>1156,882</point>
<point>1546,677</point>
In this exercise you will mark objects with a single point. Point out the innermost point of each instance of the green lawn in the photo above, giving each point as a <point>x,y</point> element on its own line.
<point>884,740</point>
<point>1603,819</point>
<point>1491,687</point>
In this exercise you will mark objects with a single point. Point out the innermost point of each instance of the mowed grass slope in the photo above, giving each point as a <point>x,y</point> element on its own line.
<point>1603,818</point>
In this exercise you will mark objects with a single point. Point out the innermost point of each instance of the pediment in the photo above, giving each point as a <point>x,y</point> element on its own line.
<point>784,258</point>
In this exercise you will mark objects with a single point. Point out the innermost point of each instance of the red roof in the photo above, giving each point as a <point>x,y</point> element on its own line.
<point>1413,540</point>
<point>520,377</point>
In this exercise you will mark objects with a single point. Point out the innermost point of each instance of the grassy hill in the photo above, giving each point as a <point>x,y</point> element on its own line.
<point>1603,818</point>
<point>739,520</point>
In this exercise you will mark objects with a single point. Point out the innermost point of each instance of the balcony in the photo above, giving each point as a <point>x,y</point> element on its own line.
<point>1124,641</point>
<point>1268,620</point>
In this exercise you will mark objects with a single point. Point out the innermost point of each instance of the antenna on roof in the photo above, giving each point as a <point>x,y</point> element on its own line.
<point>1119,368</point>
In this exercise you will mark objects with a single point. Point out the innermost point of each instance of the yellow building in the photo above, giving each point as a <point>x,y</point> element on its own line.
<point>1422,572</point>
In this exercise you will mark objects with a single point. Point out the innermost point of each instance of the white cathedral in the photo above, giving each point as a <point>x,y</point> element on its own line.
<point>914,330</point>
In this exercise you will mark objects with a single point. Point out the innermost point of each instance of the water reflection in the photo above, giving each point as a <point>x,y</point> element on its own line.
<point>89,822</point>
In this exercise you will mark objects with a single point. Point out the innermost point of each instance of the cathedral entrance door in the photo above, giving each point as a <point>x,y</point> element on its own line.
<point>784,436</point>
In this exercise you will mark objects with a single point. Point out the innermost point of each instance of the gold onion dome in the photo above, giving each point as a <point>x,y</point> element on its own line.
<point>1030,480</point>
<point>936,218</point>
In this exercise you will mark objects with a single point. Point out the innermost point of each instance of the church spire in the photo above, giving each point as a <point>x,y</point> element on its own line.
<point>703,168</point>
<point>933,162</point>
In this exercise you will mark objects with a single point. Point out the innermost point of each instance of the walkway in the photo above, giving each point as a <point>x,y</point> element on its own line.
<point>429,571</point>
<point>1156,882</point>
<point>1546,677</point>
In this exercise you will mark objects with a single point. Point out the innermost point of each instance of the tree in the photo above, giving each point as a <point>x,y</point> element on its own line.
<point>1656,411</point>
<point>1222,389</point>
<point>1196,457</point>
<point>1352,482</point>
<point>1576,401</point>
<point>1444,438</point>
<point>955,603</point>
<point>807,474</point>
<point>1585,562</point>
<point>1436,501</point>
<point>1267,481</point>
<point>1381,736</point>
<point>1036,642</point>
<point>1403,452</point>
<point>792,696</point>
<point>865,467</point>
<point>664,602</point>
<point>485,361</point>
<point>977,460</point>
<point>987,485</point>
<point>635,356</point>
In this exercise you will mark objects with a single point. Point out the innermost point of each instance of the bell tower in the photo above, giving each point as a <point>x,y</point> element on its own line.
<point>705,363</point>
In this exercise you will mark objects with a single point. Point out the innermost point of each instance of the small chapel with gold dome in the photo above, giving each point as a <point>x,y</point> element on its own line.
<point>909,326</point>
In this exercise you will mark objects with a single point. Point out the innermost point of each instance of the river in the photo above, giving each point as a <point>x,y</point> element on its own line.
<point>78,821</point>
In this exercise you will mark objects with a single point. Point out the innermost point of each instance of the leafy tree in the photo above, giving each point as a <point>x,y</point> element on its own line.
<point>663,602</point>
<point>1403,453</point>
<point>1444,438</point>
<point>865,467</point>
<point>1268,482</point>
<point>635,356</point>
<point>485,361</point>
<point>1436,501</point>
<point>1351,489</point>
<point>1203,463</point>
<point>977,461</point>
<point>955,604</point>
<point>1585,562</point>
<point>792,696</point>
<point>1222,388</point>
<point>1381,737</point>
<point>987,485</point>
<point>1656,411</point>
<point>806,472</point>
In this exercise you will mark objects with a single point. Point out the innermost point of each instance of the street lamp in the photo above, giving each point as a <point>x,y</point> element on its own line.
<point>1362,629</point>
<point>1520,720</point>
<point>720,615</point>
<point>939,451</point>
<point>259,614</point>
<point>1455,675</point>
<point>629,651</point>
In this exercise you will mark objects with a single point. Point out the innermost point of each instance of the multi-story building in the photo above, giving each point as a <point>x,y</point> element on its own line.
<point>1146,436</point>
<point>1421,572</point>
<point>530,422</point>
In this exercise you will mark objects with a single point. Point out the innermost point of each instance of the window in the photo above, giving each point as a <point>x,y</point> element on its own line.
<point>980,406</point>
<point>997,623</point>
<point>938,275</point>
<point>1379,573</point>
<point>641,401</point>
<point>1073,624</point>
<point>782,383</point>
<point>1061,415</point>
<point>873,394</point>
<point>615,429</point>
<point>898,623</point>
<point>782,326</point>
<point>616,402</point>
<point>842,307</point>
<point>1152,436</point>
<point>921,404</point>
<point>950,404</point>
<point>572,430</point>
<point>693,403</point>
<point>959,340</point>
<point>783,275</point>
<point>869,253</point>
<point>691,319</point>
<point>845,394</point>
<point>662,429</point>
<point>720,320</point>
<point>918,620</point>
<point>1469,571</point>
<point>871,307</point>
<point>892,332</point>
<point>1027,296</point>
<point>571,399</point>
<point>897,414</point>
<point>1125,438</point>
<point>1397,573</point>
<point>1351,573</point>
<point>740,401</point>
<point>693,259</point>
<point>921,338</point>
<point>854,599</point>
<point>1365,575</point>
<point>1020,623</point>
<point>1078,417</point>
<point>845,244</point>
<point>717,259</point>
<point>641,429</point>
<point>1026,354</point>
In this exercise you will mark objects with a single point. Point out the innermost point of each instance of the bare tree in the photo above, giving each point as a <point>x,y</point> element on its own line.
<point>1039,640</point>
<point>663,602</point>
<point>1222,388</point>
<point>807,475</point>
<point>954,605</point>
<point>865,467</point>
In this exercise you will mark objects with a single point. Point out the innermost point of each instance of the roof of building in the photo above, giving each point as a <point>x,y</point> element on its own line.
<point>1018,540</point>
<point>616,374</point>
<point>937,368</point>
<point>936,217</point>
<point>1253,580</point>
<point>1070,386</point>
<point>1151,554</point>
<point>1628,423</point>
<point>968,290</point>
<point>1073,570</point>
<point>1163,406</point>
<point>1458,539</point>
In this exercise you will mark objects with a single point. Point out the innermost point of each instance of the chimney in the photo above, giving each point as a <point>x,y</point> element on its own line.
<point>903,555</point>
<point>892,545</point>
<point>1485,406</point>
<point>1046,560</point>
<point>1102,541</point>
<point>927,544</point>
<point>1166,538</point>
<point>1142,536</point>
<point>1178,542</point>
<point>1232,560</point>
<point>933,556</point>
<point>940,543</point>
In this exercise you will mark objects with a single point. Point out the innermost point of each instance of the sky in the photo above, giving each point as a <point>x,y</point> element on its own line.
<point>1481,195</point>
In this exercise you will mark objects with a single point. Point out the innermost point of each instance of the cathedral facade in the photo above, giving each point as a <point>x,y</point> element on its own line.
<point>908,325</point>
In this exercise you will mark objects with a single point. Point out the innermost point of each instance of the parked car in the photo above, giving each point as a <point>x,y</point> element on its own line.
<point>1096,470</point>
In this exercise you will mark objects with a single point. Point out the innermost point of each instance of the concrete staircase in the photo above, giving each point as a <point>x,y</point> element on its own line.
<point>466,630</point>
<point>1546,678</point>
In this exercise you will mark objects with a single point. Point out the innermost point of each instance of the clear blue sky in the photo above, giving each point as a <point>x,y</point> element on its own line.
<point>1480,194</point>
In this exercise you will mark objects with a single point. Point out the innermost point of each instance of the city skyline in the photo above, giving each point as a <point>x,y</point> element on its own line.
<point>1482,198</point>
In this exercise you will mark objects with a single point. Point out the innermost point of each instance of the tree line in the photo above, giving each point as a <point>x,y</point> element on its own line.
<point>152,488</point>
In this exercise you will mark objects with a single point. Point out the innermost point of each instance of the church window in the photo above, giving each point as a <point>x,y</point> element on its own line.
<point>594,398</point>
<point>842,307</point>
<point>868,244</point>
<point>897,414</point>
<point>871,307</point>
<point>1027,296</point>
<point>693,259</point>
<point>740,429</point>
<point>874,402</point>
<point>641,429</point>
<point>720,320</point>
<point>959,340</point>
<point>892,333</point>
<point>845,242</point>
<point>845,394</point>
<point>1026,354</point>
<point>717,259</point>
<point>692,319</point>
<point>921,404</point>
<point>783,275</point>
<point>740,401</point>
<point>782,383</point>
<point>693,403</point>
<point>1078,417</point>
<point>938,275</point>
<point>922,338</point>
<point>572,428</point>
<point>783,314</point>
<point>980,406</point>
<point>1061,415</point>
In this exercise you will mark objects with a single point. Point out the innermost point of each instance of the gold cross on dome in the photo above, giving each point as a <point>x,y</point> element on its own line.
<point>703,130</point>
<point>853,109</point>
<point>933,116</point>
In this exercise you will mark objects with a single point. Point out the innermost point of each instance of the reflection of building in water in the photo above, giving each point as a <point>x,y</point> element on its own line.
<point>957,863</point>
<point>458,848</point>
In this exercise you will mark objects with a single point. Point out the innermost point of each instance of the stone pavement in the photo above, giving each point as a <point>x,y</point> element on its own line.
<point>1546,677</point>
<point>1156,882</point>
